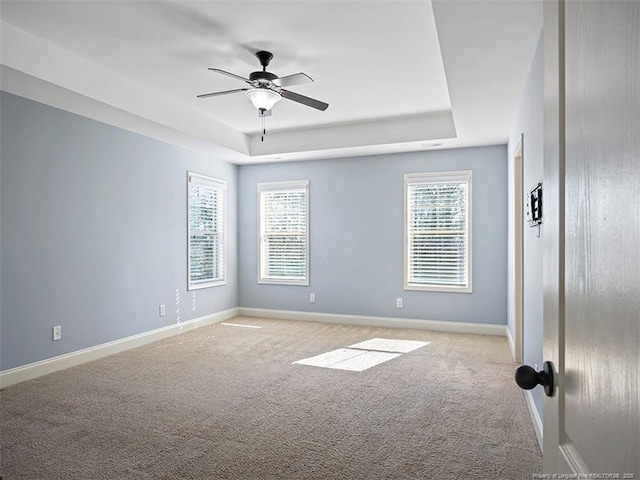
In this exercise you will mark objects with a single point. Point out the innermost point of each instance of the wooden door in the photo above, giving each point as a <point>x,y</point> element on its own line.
<point>592,236</point>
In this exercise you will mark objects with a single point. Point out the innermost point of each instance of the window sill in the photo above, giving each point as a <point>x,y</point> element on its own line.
<point>437,288</point>
<point>290,282</point>
<point>200,286</point>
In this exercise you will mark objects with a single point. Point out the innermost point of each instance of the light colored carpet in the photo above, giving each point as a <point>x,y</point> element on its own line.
<point>225,402</point>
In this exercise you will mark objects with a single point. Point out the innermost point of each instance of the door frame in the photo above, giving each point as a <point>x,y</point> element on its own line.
<point>553,239</point>
<point>518,249</point>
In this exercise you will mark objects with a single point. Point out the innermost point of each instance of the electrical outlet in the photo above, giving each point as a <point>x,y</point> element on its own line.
<point>399,302</point>
<point>312,297</point>
<point>163,310</point>
<point>57,332</point>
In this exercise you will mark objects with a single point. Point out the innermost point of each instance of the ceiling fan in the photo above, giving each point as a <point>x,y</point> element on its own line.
<point>266,88</point>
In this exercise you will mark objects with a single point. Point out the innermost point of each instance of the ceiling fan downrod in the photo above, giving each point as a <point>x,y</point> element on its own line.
<point>264,129</point>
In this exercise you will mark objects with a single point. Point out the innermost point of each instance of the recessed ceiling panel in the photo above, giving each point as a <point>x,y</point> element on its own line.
<point>395,73</point>
<point>369,60</point>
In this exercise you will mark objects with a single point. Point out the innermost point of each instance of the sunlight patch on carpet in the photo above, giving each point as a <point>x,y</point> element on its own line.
<point>364,355</point>
<point>389,345</point>
<point>348,359</point>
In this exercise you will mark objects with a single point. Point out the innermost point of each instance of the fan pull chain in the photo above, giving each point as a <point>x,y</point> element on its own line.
<point>264,130</point>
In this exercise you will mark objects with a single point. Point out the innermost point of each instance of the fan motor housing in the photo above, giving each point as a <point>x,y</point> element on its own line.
<point>262,76</point>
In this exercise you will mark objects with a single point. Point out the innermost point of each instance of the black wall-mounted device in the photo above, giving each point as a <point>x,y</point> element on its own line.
<point>534,206</point>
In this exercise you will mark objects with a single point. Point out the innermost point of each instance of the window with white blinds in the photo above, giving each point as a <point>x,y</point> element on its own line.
<point>284,232</point>
<point>438,231</point>
<point>206,250</point>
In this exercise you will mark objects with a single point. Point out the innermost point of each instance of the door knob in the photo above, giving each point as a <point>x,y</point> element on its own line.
<point>527,378</point>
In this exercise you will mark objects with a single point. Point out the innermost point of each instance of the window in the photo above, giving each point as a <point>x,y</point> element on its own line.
<point>284,232</point>
<point>438,231</point>
<point>207,198</point>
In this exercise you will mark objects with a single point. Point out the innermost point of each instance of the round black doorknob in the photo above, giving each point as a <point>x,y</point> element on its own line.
<point>527,378</point>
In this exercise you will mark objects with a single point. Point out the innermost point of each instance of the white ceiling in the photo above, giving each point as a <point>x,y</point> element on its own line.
<point>399,75</point>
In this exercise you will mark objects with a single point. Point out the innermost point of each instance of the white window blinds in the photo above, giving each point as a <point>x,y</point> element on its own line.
<point>206,231</point>
<point>284,232</point>
<point>438,233</point>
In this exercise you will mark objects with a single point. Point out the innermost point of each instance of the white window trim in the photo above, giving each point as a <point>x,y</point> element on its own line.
<point>413,178</point>
<point>216,183</point>
<point>280,186</point>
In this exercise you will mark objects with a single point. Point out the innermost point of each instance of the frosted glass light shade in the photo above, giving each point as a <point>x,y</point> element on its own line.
<point>263,98</point>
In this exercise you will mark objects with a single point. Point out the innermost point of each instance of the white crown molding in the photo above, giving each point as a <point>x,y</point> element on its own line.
<point>401,130</point>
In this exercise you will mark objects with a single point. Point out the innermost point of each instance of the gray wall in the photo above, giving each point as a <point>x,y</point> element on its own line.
<point>93,233</point>
<point>356,237</point>
<point>529,122</point>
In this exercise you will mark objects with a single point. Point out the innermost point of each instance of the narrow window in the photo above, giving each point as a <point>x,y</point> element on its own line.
<point>284,232</point>
<point>206,253</point>
<point>438,231</point>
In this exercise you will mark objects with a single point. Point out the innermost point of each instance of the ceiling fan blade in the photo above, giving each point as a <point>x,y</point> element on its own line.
<point>224,72</point>
<point>215,94</point>
<point>309,102</point>
<point>295,79</point>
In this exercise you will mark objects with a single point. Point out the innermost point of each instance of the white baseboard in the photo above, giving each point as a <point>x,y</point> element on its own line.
<point>512,343</point>
<point>50,365</point>
<point>535,416</point>
<point>458,327</point>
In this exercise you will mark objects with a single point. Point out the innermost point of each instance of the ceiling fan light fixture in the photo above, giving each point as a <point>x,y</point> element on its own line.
<point>263,98</point>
